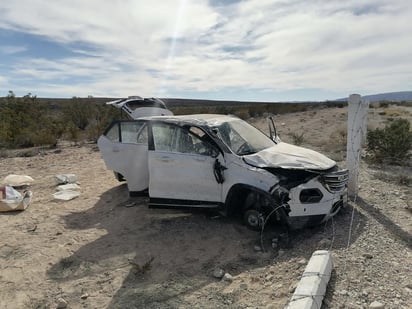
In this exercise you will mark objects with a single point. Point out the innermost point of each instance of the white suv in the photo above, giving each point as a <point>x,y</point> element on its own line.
<point>222,162</point>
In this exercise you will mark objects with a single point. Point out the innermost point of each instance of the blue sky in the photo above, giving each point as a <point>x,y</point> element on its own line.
<point>254,50</point>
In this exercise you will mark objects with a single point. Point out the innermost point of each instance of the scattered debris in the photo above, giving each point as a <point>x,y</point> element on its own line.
<point>32,229</point>
<point>376,305</point>
<point>367,256</point>
<point>84,296</point>
<point>66,195</point>
<point>218,273</point>
<point>69,186</point>
<point>11,199</point>
<point>130,204</point>
<point>227,277</point>
<point>140,270</point>
<point>17,180</point>
<point>61,303</point>
<point>65,178</point>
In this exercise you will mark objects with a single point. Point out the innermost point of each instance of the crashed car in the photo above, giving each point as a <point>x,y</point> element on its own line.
<point>222,162</point>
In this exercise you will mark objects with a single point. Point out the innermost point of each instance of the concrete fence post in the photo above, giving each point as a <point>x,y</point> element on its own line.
<point>357,124</point>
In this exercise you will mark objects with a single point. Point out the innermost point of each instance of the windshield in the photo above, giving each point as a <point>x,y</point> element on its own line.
<point>242,138</point>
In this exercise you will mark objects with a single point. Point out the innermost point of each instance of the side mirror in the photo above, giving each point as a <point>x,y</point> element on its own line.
<point>272,130</point>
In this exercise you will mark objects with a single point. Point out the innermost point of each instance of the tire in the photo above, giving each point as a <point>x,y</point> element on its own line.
<point>253,219</point>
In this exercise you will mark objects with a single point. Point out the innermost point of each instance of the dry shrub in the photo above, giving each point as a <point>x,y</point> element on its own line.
<point>242,114</point>
<point>399,179</point>
<point>297,138</point>
<point>392,112</point>
<point>392,143</point>
<point>337,141</point>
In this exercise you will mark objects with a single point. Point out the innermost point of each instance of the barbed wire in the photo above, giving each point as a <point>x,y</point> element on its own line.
<point>356,149</point>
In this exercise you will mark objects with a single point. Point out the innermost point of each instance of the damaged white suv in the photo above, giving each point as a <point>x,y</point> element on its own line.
<point>222,162</point>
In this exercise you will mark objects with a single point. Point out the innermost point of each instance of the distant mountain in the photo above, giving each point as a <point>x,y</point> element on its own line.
<point>388,96</point>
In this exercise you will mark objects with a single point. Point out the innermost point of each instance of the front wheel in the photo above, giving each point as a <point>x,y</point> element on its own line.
<point>253,219</point>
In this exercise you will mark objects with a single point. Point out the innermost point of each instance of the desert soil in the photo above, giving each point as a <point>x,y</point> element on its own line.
<point>107,250</point>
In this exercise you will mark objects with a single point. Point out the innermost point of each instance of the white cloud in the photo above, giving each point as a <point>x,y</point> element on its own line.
<point>150,47</point>
<point>12,49</point>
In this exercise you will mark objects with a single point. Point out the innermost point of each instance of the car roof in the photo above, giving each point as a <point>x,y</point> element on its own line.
<point>210,120</point>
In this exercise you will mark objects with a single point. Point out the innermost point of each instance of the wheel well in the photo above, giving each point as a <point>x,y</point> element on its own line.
<point>237,197</point>
<point>240,195</point>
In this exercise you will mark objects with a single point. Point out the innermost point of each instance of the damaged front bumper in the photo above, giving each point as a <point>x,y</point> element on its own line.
<point>319,199</point>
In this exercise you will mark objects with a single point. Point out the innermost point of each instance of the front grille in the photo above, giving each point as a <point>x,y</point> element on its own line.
<point>336,181</point>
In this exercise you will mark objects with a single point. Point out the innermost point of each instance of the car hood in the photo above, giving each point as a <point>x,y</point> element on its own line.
<point>287,156</point>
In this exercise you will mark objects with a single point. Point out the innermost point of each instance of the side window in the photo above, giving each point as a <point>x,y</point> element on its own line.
<point>113,133</point>
<point>163,136</point>
<point>133,132</point>
<point>189,140</point>
<point>172,138</point>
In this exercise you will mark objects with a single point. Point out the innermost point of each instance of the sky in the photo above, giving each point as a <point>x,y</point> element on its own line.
<point>250,50</point>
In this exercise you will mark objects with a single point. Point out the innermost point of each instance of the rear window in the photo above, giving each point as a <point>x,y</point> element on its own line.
<point>134,132</point>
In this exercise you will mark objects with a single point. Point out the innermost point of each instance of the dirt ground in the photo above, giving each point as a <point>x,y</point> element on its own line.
<point>106,250</point>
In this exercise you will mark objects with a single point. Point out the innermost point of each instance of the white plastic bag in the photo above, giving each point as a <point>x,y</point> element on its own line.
<point>66,195</point>
<point>11,199</point>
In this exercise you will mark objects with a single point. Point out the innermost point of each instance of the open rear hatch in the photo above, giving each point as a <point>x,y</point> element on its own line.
<point>137,107</point>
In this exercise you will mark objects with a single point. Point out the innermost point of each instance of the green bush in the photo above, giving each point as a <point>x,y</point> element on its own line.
<point>78,112</point>
<point>392,143</point>
<point>86,119</point>
<point>100,119</point>
<point>24,122</point>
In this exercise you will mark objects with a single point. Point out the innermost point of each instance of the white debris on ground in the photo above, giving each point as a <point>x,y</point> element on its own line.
<point>17,180</point>
<point>12,199</point>
<point>66,195</point>
<point>67,188</point>
<point>63,179</point>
